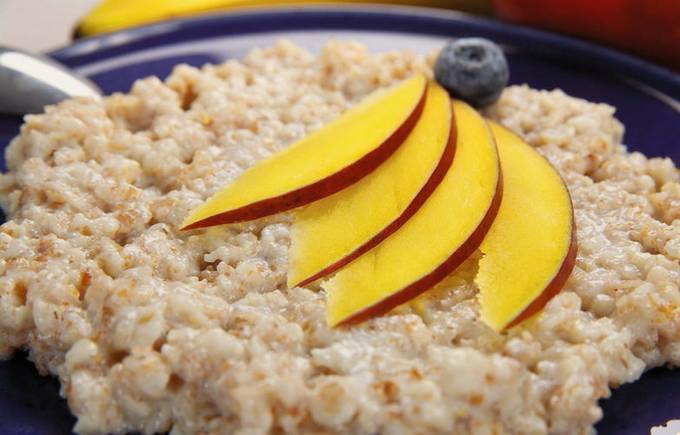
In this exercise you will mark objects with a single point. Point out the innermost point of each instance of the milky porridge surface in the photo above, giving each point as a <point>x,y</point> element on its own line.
<point>151,329</point>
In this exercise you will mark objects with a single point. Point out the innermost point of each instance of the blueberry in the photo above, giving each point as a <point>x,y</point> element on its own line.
<point>472,69</point>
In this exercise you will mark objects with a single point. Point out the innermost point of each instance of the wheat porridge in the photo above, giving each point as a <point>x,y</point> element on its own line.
<point>151,329</point>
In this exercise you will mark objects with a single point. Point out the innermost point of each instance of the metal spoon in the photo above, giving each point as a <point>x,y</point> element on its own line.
<point>29,82</point>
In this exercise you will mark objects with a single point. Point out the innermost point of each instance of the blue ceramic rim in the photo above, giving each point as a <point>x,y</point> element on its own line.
<point>418,20</point>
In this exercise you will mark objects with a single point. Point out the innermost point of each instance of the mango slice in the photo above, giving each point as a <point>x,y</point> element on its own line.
<point>332,232</point>
<point>324,162</point>
<point>531,247</point>
<point>446,230</point>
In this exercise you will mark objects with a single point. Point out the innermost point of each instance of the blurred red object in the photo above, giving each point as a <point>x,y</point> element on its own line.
<point>649,28</point>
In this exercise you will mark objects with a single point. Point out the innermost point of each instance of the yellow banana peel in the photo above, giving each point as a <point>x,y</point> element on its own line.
<point>113,15</point>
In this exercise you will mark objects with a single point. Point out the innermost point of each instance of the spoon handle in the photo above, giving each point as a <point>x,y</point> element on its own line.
<point>29,82</point>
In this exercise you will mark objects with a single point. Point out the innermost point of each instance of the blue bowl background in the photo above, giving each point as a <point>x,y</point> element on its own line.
<point>645,95</point>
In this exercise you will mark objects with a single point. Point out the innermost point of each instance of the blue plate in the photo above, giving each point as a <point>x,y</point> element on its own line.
<point>646,97</point>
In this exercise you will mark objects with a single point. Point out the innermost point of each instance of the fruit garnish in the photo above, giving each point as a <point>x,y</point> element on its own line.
<point>446,230</point>
<point>530,249</point>
<point>324,162</point>
<point>401,189</point>
<point>331,232</point>
<point>472,69</point>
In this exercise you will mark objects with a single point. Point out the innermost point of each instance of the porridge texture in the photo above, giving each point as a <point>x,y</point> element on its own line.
<point>153,330</point>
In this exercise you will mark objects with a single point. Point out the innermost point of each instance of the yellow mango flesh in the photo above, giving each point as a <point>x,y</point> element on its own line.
<point>344,141</point>
<point>403,264</point>
<point>327,232</point>
<point>531,237</point>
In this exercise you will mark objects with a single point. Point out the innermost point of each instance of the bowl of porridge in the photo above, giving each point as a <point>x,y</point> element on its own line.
<point>152,329</point>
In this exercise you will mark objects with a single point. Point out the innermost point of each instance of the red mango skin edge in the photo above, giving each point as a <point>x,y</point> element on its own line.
<point>322,188</point>
<point>428,281</point>
<point>561,276</point>
<point>555,285</point>
<point>435,179</point>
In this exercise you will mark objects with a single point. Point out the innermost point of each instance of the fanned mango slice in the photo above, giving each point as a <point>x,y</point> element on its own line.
<point>530,250</point>
<point>332,232</point>
<point>446,230</point>
<point>322,163</point>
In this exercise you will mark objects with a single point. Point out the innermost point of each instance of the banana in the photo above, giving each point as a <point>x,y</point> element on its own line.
<point>113,15</point>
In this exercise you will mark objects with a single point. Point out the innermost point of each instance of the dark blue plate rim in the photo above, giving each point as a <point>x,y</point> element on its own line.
<point>418,20</point>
